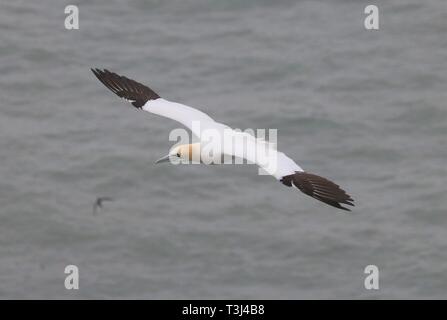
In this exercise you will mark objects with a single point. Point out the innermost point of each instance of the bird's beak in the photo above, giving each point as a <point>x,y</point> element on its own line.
<point>164,159</point>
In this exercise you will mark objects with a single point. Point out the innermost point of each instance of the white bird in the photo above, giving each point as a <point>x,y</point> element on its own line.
<point>242,145</point>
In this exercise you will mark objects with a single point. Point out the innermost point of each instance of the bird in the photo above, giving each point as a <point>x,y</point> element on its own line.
<point>243,145</point>
<point>98,203</point>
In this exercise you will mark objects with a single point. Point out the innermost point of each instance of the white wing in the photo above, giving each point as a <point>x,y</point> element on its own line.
<point>142,97</point>
<point>260,152</point>
<point>191,118</point>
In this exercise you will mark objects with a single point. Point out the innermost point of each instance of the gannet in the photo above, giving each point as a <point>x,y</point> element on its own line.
<point>276,163</point>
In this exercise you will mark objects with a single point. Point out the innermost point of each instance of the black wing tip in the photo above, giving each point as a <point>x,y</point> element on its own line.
<point>131,90</point>
<point>319,188</point>
<point>97,71</point>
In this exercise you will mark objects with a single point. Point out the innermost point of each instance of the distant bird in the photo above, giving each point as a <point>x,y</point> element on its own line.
<point>278,164</point>
<point>98,203</point>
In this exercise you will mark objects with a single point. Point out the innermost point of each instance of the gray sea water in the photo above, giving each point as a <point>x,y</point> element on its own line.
<point>366,109</point>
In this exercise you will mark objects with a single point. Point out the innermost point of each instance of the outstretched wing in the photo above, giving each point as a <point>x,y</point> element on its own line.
<point>142,97</point>
<point>319,188</point>
<point>264,154</point>
<point>286,170</point>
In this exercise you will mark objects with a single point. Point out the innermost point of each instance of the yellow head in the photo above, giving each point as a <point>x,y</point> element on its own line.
<point>184,153</point>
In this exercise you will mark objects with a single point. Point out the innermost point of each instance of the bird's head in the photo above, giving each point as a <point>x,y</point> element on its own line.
<point>184,153</point>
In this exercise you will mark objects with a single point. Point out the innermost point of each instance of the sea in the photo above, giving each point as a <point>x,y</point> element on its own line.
<point>364,108</point>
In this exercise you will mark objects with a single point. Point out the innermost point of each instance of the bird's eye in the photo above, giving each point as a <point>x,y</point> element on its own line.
<point>178,154</point>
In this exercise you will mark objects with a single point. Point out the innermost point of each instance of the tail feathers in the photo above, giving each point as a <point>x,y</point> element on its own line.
<point>126,88</point>
<point>319,188</point>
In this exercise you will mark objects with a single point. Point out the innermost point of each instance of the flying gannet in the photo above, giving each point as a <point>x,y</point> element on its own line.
<point>284,169</point>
